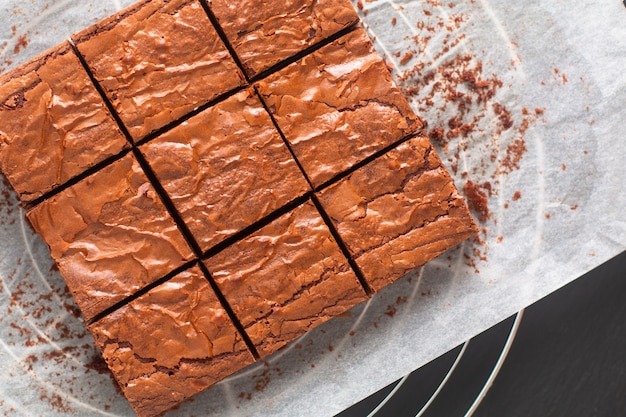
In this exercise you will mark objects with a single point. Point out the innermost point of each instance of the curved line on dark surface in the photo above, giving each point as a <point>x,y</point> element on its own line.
<point>498,366</point>
<point>444,380</point>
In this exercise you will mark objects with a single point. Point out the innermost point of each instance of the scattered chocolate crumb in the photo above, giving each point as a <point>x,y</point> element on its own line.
<point>574,207</point>
<point>391,311</point>
<point>517,195</point>
<point>478,195</point>
<point>406,58</point>
<point>394,21</point>
<point>22,42</point>
<point>514,154</point>
<point>247,396</point>
<point>563,167</point>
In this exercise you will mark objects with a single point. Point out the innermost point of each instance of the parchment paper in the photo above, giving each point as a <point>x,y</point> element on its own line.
<point>557,207</point>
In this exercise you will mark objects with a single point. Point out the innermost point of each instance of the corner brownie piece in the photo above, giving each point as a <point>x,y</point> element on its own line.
<point>226,168</point>
<point>398,212</point>
<point>338,106</point>
<point>110,235</point>
<point>53,124</point>
<point>264,33</point>
<point>157,60</point>
<point>285,279</point>
<point>170,343</point>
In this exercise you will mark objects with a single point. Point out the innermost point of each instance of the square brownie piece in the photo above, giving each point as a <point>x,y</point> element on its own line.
<point>398,212</point>
<point>158,60</point>
<point>53,124</point>
<point>338,106</point>
<point>225,168</point>
<point>285,279</point>
<point>170,343</point>
<point>264,33</point>
<point>110,236</point>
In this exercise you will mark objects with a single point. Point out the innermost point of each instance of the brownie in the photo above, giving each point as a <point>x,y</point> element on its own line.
<point>397,212</point>
<point>53,124</point>
<point>226,168</point>
<point>338,106</point>
<point>264,33</point>
<point>285,279</point>
<point>268,205</point>
<point>110,236</point>
<point>157,60</point>
<point>170,343</point>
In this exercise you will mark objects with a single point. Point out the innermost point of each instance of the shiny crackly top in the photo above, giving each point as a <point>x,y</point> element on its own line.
<point>53,124</point>
<point>398,212</point>
<point>285,279</point>
<point>264,33</point>
<point>157,61</point>
<point>226,168</point>
<point>110,235</point>
<point>121,236</point>
<point>338,106</point>
<point>170,343</point>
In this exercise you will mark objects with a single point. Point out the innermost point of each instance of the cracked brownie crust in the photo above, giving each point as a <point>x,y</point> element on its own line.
<point>157,61</point>
<point>286,279</point>
<point>170,344</point>
<point>226,168</point>
<point>398,212</point>
<point>53,124</point>
<point>264,33</point>
<point>110,235</point>
<point>338,106</point>
<point>203,220</point>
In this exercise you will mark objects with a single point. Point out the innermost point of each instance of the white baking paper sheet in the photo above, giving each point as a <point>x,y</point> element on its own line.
<point>558,214</point>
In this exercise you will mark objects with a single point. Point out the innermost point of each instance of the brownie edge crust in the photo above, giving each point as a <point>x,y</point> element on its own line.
<point>170,344</point>
<point>215,179</point>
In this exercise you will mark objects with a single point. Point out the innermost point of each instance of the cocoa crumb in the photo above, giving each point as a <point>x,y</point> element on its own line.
<point>22,42</point>
<point>514,154</point>
<point>391,311</point>
<point>517,195</point>
<point>406,58</point>
<point>477,196</point>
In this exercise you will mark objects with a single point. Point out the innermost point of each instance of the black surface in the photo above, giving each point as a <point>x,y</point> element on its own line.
<point>568,359</point>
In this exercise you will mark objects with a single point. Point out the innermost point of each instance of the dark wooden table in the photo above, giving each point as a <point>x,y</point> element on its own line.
<point>563,356</point>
